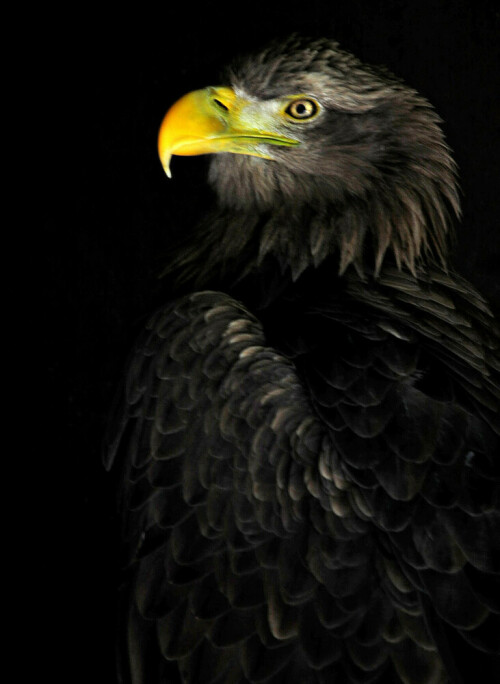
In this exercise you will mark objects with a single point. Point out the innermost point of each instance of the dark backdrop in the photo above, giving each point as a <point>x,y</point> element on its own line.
<point>111,216</point>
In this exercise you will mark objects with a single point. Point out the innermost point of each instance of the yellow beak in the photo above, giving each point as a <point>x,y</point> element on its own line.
<point>219,120</point>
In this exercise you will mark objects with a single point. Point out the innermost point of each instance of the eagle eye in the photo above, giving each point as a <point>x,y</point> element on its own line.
<point>302,108</point>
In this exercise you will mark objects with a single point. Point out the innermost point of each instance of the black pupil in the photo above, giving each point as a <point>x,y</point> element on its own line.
<point>301,108</point>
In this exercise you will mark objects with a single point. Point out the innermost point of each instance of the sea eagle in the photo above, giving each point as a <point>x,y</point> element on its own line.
<point>308,435</point>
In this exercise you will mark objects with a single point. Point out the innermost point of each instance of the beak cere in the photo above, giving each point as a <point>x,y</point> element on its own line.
<point>217,120</point>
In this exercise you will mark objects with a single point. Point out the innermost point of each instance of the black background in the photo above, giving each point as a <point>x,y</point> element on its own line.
<point>110,217</point>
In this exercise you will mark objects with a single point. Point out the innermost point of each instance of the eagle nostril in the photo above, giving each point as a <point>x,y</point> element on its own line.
<point>220,104</point>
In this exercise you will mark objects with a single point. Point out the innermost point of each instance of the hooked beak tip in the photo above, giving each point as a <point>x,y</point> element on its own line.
<point>166,165</point>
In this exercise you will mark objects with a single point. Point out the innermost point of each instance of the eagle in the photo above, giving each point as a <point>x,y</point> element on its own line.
<point>307,435</point>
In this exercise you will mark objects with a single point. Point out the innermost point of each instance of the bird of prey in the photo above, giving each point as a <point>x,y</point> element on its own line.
<point>308,433</point>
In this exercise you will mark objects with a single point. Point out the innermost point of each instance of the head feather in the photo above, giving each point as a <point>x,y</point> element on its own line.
<point>374,179</point>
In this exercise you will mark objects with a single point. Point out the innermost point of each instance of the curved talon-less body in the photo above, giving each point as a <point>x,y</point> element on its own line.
<point>309,431</point>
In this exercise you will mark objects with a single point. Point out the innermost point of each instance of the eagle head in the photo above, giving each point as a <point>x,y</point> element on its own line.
<point>306,134</point>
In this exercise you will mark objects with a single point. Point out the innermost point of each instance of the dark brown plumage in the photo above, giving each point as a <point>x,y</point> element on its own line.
<point>309,431</point>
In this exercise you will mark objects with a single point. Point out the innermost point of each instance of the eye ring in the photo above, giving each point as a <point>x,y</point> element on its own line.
<point>302,109</point>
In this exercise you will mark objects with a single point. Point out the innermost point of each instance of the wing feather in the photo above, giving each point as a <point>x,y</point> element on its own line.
<point>288,519</point>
